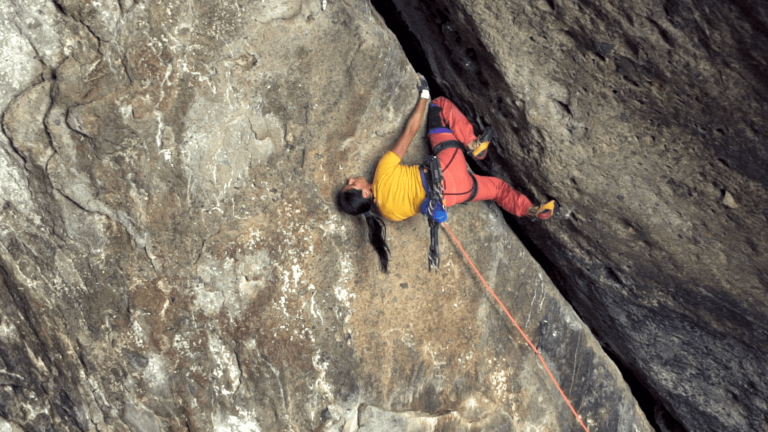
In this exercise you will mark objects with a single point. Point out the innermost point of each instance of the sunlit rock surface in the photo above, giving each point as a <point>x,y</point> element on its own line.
<point>171,257</point>
<point>646,120</point>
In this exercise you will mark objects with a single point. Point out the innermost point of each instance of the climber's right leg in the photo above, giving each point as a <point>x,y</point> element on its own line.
<point>445,118</point>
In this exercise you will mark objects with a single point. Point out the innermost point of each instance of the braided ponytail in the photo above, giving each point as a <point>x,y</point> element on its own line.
<point>352,202</point>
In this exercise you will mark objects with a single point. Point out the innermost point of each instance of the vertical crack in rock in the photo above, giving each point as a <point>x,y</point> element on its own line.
<point>38,57</point>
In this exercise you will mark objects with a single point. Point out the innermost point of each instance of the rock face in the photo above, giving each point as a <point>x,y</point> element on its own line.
<point>647,122</point>
<point>171,257</point>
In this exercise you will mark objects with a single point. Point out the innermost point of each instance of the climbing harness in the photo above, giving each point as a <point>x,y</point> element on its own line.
<point>519,329</point>
<point>445,145</point>
<point>457,145</point>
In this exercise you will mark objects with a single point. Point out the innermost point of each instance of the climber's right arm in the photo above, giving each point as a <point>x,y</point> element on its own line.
<point>411,128</point>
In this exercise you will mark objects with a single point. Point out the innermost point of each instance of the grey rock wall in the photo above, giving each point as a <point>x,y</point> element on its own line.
<point>647,122</point>
<point>171,257</point>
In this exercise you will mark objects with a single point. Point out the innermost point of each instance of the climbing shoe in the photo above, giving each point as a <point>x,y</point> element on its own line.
<point>544,211</point>
<point>479,147</point>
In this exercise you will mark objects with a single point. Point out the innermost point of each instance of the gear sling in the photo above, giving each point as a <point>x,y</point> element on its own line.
<point>432,177</point>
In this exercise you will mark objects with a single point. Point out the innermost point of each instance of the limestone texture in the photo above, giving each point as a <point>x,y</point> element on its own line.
<point>172,258</point>
<point>646,120</point>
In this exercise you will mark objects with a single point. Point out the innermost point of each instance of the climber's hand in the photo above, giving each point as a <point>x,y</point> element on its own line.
<point>423,86</point>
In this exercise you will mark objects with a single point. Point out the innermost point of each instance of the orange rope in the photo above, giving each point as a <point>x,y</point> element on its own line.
<point>533,347</point>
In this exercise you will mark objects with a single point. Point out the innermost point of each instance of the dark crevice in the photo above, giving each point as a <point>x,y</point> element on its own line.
<point>408,42</point>
<point>59,7</point>
<point>416,55</point>
<point>650,405</point>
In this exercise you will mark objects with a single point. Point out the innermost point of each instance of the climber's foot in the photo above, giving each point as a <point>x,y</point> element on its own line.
<point>479,147</point>
<point>544,211</point>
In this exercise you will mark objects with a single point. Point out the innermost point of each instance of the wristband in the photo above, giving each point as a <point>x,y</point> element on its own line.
<point>425,94</point>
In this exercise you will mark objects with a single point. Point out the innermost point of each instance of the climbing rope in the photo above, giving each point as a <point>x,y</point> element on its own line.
<point>533,347</point>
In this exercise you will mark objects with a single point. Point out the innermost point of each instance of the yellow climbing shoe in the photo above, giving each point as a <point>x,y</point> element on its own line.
<point>479,147</point>
<point>546,210</point>
<point>481,150</point>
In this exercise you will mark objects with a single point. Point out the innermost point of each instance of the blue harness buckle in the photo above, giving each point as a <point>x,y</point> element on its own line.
<point>432,206</point>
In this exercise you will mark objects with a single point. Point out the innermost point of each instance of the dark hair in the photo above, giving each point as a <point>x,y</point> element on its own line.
<point>352,202</point>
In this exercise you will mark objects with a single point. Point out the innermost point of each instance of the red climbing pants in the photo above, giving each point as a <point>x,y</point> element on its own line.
<point>447,123</point>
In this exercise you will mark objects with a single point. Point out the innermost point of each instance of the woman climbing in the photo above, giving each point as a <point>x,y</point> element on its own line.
<point>398,191</point>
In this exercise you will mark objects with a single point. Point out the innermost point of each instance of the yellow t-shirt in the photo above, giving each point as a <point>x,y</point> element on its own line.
<point>397,188</point>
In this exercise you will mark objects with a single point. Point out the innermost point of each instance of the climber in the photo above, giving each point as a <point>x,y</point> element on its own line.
<point>398,191</point>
